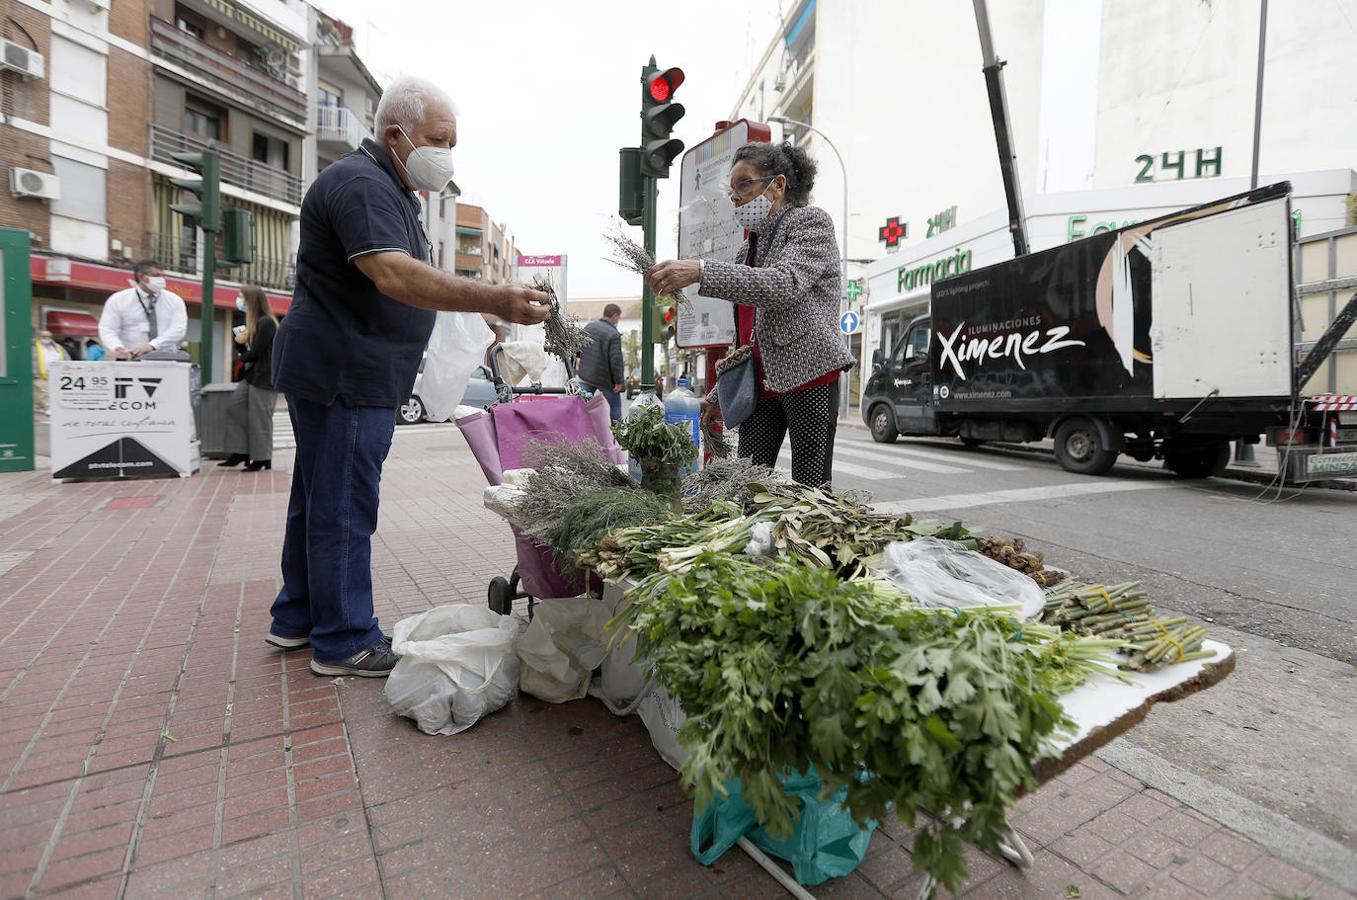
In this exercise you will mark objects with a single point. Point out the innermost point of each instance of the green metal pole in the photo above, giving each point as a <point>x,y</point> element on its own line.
<point>210,225</point>
<point>648,296</point>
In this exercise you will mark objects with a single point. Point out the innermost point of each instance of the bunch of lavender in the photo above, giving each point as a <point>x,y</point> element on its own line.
<point>564,337</point>
<point>633,257</point>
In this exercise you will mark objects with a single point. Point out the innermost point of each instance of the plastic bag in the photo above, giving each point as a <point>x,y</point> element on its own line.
<point>561,648</point>
<point>825,841</point>
<point>663,717</point>
<point>456,665</point>
<point>935,572</point>
<point>456,347</point>
<point>624,676</point>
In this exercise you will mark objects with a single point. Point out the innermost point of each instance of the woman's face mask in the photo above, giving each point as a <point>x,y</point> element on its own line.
<point>240,304</point>
<point>754,212</point>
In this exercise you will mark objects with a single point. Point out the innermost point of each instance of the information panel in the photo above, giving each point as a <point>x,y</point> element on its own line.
<point>708,230</point>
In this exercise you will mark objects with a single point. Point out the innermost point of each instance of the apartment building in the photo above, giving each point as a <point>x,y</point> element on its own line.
<point>485,249</point>
<point>115,89</point>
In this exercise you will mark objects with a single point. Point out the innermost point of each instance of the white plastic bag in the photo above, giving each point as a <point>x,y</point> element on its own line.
<point>561,648</point>
<point>663,717</point>
<point>456,348</point>
<point>935,572</point>
<point>456,665</point>
<point>624,677</point>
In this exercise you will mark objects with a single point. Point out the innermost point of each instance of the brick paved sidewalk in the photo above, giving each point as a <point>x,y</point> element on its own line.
<point>152,745</point>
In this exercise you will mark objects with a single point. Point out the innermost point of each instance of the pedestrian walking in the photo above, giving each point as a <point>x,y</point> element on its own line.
<point>249,415</point>
<point>143,318</point>
<point>786,284</point>
<point>45,352</point>
<point>601,367</point>
<point>346,357</point>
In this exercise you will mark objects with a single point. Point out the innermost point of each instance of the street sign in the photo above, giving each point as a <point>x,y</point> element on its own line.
<point>708,230</point>
<point>848,322</point>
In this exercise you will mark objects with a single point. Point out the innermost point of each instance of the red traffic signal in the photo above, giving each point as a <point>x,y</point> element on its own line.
<point>663,84</point>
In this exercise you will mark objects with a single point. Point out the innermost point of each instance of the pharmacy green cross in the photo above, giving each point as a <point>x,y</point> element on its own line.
<point>854,290</point>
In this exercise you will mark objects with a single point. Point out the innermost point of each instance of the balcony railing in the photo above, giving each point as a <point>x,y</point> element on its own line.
<point>337,124</point>
<point>178,253</point>
<point>258,89</point>
<point>235,169</point>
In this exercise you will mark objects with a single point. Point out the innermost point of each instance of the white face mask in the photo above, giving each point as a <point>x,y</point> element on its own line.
<point>752,214</point>
<point>240,304</point>
<point>430,168</point>
<point>155,284</point>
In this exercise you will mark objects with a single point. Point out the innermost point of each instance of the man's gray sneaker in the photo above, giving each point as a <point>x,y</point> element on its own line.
<point>376,661</point>
<point>286,643</point>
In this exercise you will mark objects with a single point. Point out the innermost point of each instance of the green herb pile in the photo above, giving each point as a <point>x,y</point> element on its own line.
<point>562,472</point>
<point>660,448</point>
<point>593,516</point>
<point>781,666</point>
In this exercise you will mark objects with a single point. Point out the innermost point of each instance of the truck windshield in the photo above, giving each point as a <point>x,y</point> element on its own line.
<point>913,347</point>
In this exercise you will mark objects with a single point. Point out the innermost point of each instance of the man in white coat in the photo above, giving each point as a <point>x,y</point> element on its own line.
<point>143,318</point>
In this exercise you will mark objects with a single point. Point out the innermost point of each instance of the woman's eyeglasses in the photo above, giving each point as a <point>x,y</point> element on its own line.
<point>743,187</point>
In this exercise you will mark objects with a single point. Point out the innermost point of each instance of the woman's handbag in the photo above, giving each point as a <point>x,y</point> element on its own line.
<point>737,382</point>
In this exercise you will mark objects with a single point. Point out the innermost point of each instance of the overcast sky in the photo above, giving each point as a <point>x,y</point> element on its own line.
<point>548,92</point>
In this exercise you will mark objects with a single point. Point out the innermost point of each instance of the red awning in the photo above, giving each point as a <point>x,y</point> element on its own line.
<point>62,272</point>
<point>72,324</point>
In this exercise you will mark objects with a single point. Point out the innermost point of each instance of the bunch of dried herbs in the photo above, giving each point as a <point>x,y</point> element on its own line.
<point>635,258</point>
<point>562,472</point>
<point>564,336</point>
<point>725,479</point>
<point>780,666</point>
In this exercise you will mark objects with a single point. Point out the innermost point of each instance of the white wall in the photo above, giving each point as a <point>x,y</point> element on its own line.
<point>1181,75</point>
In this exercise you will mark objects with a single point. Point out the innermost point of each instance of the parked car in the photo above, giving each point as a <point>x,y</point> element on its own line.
<point>480,392</point>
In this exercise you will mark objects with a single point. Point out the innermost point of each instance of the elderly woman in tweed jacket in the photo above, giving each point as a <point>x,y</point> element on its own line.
<point>786,285</point>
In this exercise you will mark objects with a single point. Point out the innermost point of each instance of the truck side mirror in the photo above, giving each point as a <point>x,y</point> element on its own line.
<point>876,358</point>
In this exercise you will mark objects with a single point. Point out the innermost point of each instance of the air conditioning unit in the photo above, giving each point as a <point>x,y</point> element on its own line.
<point>31,183</point>
<point>17,58</point>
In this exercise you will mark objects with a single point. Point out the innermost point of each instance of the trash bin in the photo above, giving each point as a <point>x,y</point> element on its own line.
<point>212,419</point>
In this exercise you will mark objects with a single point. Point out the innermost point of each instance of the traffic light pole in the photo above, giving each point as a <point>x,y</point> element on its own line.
<point>647,295</point>
<point>209,246</point>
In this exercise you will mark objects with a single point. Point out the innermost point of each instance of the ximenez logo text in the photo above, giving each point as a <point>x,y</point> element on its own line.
<point>958,348</point>
<point>907,279</point>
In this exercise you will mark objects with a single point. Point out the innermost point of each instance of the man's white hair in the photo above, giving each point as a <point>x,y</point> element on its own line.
<point>407,99</point>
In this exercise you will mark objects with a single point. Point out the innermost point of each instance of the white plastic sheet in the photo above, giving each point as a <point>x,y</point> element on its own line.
<point>456,347</point>
<point>456,665</point>
<point>935,572</point>
<point>563,645</point>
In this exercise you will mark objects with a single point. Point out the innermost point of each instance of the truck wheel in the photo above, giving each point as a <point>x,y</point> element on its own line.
<point>883,425</point>
<point>1079,447</point>
<point>1197,458</point>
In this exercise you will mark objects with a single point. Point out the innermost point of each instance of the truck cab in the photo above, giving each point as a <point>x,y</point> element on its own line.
<point>898,396</point>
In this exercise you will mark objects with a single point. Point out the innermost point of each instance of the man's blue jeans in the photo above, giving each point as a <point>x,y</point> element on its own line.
<point>327,550</point>
<point>614,399</point>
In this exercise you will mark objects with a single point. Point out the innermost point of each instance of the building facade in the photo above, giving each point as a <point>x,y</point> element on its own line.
<point>485,250</point>
<point>1117,111</point>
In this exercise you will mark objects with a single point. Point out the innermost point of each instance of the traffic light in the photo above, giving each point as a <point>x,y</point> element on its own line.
<point>631,194</point>
<point>665,322</point>
<point>207,211</point>
<point>659,114</point>
<point>237,235</point>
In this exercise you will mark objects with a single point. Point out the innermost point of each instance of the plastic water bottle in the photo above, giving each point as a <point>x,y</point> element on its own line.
<point>643,399</point>
<point>684,409</point>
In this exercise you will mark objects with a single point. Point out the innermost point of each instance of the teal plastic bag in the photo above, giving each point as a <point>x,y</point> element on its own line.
<point>825,841</point>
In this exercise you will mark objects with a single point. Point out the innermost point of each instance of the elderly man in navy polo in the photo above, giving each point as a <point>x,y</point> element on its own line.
<point>346,356</point>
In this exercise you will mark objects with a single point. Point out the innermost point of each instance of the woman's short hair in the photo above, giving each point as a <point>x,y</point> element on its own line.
<point>406,100</point>
<point>791,162</point>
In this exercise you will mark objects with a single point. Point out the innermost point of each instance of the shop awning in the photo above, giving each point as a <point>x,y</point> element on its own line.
<point>60,271</point>
<point>72,324</point>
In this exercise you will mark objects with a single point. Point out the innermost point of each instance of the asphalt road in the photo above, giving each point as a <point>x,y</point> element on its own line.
<point>1275,578</point>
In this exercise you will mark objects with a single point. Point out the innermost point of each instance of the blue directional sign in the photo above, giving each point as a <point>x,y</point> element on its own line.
<point>848,322</point>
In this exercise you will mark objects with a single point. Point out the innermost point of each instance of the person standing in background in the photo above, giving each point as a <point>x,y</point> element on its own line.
<point>45,352</point>
<point>249,417</point>
<point>601,366</point>
<point>145,317</point>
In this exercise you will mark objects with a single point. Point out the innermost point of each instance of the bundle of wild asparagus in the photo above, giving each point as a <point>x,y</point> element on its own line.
<point>1124,612</point>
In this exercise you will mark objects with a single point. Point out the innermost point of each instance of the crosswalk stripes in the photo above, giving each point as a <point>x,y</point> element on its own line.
<point>843,468</point>
<point>893,453</point>
<point>898,460</point>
